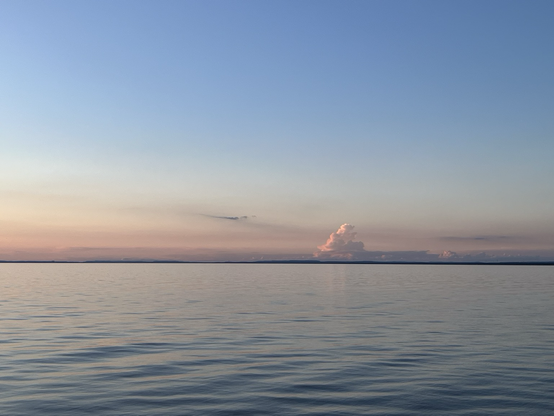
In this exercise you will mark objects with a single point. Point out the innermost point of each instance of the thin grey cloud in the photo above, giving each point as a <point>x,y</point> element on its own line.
<point>70,249</point>
<point>232,218</point>
<point>481,238</point>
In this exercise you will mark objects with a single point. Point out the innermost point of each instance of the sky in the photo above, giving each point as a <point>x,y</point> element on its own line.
<point>245,130</point>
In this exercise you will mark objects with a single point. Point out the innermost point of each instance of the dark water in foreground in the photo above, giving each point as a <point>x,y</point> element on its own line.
<point>193,339</point>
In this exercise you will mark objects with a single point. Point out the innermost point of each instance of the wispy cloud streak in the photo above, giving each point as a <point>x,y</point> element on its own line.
<point>232,218</point>
<point>481,238</point>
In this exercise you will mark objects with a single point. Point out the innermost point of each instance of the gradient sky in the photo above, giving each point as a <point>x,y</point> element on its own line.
<point>140,129</point>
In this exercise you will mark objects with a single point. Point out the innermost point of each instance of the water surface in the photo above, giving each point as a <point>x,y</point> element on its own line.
<point>231,339</point>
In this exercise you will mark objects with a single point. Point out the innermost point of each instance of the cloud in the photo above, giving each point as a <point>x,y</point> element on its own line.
<point>400,256</point>
<point>480,238</point>
<point>341,244</point>
<point>223,217</point>
<point>447,254</point>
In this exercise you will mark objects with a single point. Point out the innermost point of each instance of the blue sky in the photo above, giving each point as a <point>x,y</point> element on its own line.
<point>128,127</point>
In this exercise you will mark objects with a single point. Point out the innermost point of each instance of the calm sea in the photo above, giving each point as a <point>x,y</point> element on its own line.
<point>230,339</point>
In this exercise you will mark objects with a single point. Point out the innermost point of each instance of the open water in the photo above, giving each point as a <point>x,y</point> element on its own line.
<point>231,339</point>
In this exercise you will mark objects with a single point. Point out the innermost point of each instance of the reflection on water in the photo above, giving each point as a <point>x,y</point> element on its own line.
<point>178,339</point>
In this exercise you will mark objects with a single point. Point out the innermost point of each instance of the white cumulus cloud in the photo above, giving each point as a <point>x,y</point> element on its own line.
<point>448,255</point>
<point>341,244</point>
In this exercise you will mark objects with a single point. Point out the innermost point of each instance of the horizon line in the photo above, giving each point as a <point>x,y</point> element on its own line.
<point>455,263</point>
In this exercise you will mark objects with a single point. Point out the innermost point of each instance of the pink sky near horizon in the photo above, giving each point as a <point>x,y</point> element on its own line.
<point>227,239</point>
